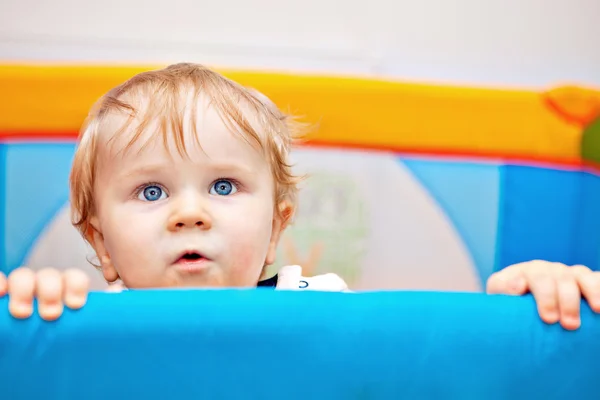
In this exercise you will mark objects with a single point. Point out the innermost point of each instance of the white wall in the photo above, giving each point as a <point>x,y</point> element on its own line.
<point>509,42</point>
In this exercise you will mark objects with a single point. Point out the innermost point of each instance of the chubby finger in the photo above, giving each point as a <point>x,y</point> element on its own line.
<point>569,301</point>
<point>507,281</point>
<point>3,285</point>
<point>76,286</point>
<point>21,289</point>
<point>589,284</point>
<point>544,290</point>
<point>288,277</point>
<point>49,290</point>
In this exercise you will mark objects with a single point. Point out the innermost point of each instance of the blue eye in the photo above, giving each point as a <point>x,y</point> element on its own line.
<point>152,193</point>
<point>223,187</point>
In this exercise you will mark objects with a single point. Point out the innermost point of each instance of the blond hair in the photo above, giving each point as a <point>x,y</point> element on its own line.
<point>162,90</point>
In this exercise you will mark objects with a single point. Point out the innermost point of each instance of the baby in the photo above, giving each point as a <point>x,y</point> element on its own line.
<point>181,179</point>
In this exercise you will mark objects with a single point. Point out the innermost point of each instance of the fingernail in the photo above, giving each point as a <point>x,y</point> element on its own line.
<point>75,300</point>
<point>20,310</point>
<point>50,312</point>
<point>571,322</point>
<point>551,316</point>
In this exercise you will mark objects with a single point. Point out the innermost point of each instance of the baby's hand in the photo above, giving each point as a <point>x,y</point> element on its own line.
<point>556,288</point>
<point>52,288</point>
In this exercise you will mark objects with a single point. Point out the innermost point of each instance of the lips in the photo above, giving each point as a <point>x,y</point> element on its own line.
<point>190,256</point>
<point>191,262</point>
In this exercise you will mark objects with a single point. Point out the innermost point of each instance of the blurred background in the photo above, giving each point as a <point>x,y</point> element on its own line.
<point>533,43</point>
<point>455,137</point>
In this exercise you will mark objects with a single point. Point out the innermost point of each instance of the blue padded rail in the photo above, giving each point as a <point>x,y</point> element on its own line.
<point>263,344</point>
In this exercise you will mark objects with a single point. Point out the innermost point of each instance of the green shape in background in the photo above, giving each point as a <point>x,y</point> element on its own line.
<point>590,142</point>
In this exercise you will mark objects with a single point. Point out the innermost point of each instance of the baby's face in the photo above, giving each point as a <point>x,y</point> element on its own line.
<point>168,220</point>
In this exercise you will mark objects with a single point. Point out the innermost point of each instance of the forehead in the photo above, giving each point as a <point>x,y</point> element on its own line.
<point>191,128</point>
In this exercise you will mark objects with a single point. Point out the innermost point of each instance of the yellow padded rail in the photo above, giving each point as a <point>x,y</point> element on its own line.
<point>50,101</point>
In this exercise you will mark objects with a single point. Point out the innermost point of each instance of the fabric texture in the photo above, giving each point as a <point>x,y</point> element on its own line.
<point>271,344</point>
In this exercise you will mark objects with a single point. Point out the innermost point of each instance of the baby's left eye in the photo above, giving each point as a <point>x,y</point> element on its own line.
<point>223,187</point>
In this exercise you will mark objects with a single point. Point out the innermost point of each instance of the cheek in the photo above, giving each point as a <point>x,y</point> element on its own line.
<point>245,266</point>
<point>131,239</point>
<point>250,225</point>
<point>249,239</point>
<point>246,234</point>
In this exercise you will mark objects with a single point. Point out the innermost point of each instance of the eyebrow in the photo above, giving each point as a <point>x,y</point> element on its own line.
<point>228,167</point>
<point>216,168</point>
<point>145,170</point>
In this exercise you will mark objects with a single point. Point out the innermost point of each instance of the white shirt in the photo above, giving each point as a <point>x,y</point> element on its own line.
<point>290,278</point>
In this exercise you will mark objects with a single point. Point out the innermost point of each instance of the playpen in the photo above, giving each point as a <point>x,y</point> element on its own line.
<point>425,188</point>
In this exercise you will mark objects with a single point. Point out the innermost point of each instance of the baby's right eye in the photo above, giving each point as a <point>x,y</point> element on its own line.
<point>152,193</point>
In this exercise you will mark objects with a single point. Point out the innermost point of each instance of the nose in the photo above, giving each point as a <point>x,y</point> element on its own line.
<point>189,214</point>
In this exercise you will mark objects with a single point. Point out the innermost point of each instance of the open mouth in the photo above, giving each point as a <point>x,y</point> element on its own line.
<point>192,262</point>
<point>190,257</point>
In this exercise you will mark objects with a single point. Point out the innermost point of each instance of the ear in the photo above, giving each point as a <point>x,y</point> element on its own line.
<point>281,221</point>
<point>94,236</point>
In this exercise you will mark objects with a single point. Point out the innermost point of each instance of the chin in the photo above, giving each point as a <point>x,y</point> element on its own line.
<point>206,280</point>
